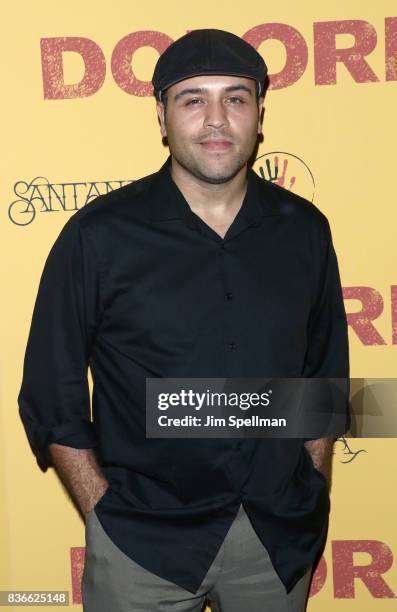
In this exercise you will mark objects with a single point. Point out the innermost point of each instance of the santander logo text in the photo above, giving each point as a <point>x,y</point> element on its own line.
<point>327,53</point>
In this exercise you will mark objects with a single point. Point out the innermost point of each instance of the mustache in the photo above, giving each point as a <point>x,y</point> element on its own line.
<point>214,136</point>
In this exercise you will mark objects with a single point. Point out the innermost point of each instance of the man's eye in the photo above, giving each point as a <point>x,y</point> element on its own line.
<point>193,101</point>
<point>235,99</point>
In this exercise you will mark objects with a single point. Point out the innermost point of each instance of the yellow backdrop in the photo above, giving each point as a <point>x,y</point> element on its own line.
<point>78,119</point>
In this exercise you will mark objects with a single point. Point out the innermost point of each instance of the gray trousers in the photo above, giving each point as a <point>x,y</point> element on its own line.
<point>240,579</point>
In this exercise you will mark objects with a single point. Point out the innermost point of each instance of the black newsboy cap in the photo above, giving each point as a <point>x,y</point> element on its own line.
<point>207,51</point>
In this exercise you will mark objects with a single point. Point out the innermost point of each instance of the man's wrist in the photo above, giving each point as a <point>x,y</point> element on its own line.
<point>320,451</point>
<point>100,492</point>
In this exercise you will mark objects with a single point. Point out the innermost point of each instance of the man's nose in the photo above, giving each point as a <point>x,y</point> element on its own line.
<point>215,115</point>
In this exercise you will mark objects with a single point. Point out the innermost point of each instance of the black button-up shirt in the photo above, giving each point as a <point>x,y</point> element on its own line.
<point>137,285</point>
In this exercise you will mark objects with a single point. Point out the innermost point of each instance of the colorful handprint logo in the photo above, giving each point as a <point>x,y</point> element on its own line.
<point>286,170</point>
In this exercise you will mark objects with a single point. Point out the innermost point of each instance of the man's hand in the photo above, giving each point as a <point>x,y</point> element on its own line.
<point>81,474</point>
<point>321,454</point>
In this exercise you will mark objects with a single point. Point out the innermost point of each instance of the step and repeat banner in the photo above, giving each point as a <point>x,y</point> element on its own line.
<point>79,119</point>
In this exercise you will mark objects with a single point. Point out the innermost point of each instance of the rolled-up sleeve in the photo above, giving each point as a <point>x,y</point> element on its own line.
<point>54,399</point>
<point>327,354</point>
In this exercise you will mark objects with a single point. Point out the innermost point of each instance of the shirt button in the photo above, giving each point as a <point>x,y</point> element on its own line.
<point>232,346</point>
<point>223,245</point>
<point>229,295</point>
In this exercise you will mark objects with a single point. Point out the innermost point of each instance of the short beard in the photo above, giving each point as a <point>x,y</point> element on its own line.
<point>212,180</point>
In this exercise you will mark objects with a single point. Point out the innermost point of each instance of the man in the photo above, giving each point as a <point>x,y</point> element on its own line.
<point>199,270</point>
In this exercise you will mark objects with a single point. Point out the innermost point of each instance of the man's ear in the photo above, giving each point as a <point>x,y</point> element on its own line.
<point>161,117</point>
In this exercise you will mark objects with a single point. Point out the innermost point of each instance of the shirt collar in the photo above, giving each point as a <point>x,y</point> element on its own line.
<point>166,201</point>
